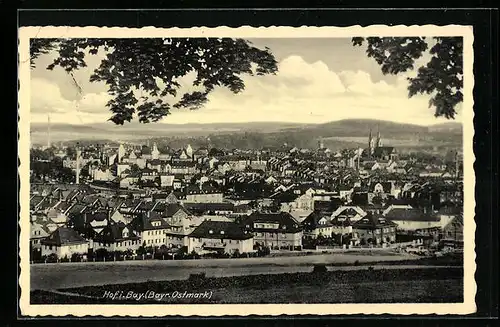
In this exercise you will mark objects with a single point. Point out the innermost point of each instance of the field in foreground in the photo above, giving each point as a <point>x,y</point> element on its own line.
<point>425,285</point>
<point>70,275</point>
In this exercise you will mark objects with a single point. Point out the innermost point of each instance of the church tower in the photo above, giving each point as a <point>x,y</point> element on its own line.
<point>370,141</point>
<point>189,151</point>
<point>321,144</point>
<point>379,139</point>
<point>155,153</point>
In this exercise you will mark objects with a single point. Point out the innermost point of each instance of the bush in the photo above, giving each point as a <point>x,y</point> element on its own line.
<point>76,257</point>
<point>199,276</point>
<point>320,268</point>
<point>52,258</point>
<point>101,254</point>
<point>263,251</point>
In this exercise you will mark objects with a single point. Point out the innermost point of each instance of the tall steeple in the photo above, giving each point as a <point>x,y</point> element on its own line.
<point>321,145</point>
<point>370,143</point>
<point>378,144</point>
<point>155,153</point>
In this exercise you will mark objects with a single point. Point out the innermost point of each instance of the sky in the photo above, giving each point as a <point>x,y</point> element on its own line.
<point>319,80</point>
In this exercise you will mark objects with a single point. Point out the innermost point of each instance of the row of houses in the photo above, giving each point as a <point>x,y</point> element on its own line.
<point>131,224</point>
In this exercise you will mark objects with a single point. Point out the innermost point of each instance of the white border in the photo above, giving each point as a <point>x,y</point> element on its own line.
<point>25,33</point>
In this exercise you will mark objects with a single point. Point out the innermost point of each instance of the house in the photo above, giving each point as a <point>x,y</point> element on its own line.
<point>317,224</point>
<point>354,213</point>
<point>453,233</point>
<point>210,208</point>
<point>205,194</point>
<point>39,231</point>
<point>374,230</point>
<point>64,242</point>
<point>342,223</point>
<point>167,180</point>
<point>275,230</point>
<point>95,221</point>
<point>128,181</point>
<point>180,224</point>
<point>152,228</point>
<point>220,236</point>
<point>121,168</point>
<point>385,153</point>
<point>412,219</point>
<point>304,202</point>
<point>57,216</point>
<point>102,173</point>
<point>381,190</point>
<point>117,237</point>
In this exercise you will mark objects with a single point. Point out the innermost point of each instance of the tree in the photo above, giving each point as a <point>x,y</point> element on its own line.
<point>154,66</point>
<point>442,76</point>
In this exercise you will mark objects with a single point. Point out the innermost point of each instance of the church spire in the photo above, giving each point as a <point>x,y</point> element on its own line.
<point>370,143</point>
<point>378,144</point>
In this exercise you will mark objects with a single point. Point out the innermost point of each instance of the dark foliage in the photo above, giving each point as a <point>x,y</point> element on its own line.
<point>442,76</point>
<point>154,66</point>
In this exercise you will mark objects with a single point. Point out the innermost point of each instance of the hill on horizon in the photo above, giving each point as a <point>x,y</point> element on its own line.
<point>256,132</point>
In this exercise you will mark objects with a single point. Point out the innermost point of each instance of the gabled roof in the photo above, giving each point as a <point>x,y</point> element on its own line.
<point>63,206</point>
<point>76,209</point>
<point>284,219</point>
<point>386,186</point>
<point>221,230</point>
<point>413,214</point>
<point>96,216</point>
<point>63,236</point>
<point>349,211</point>
<point>383,151</point>
<point>114,233</point>
<point>172,208</point>
<point>206,207</point>
<point>373,222</point>
<point>312,221</point>
<point>35,201</point>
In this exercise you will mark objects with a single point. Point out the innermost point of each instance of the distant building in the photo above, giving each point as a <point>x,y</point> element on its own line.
<point>275,230</point>
<point>64,242</point>
<point>220,236</point>
<point>374,229</point>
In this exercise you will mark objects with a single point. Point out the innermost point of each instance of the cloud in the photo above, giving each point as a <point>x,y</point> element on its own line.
<point>46,98</point>
<point>360,82</point>
<point>300,92</point>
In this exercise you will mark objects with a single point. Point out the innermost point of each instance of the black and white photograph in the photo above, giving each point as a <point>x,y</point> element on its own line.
<point>253,170</point>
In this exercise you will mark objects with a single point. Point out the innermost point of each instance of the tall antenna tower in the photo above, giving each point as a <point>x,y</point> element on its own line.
<point>48,131</point>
